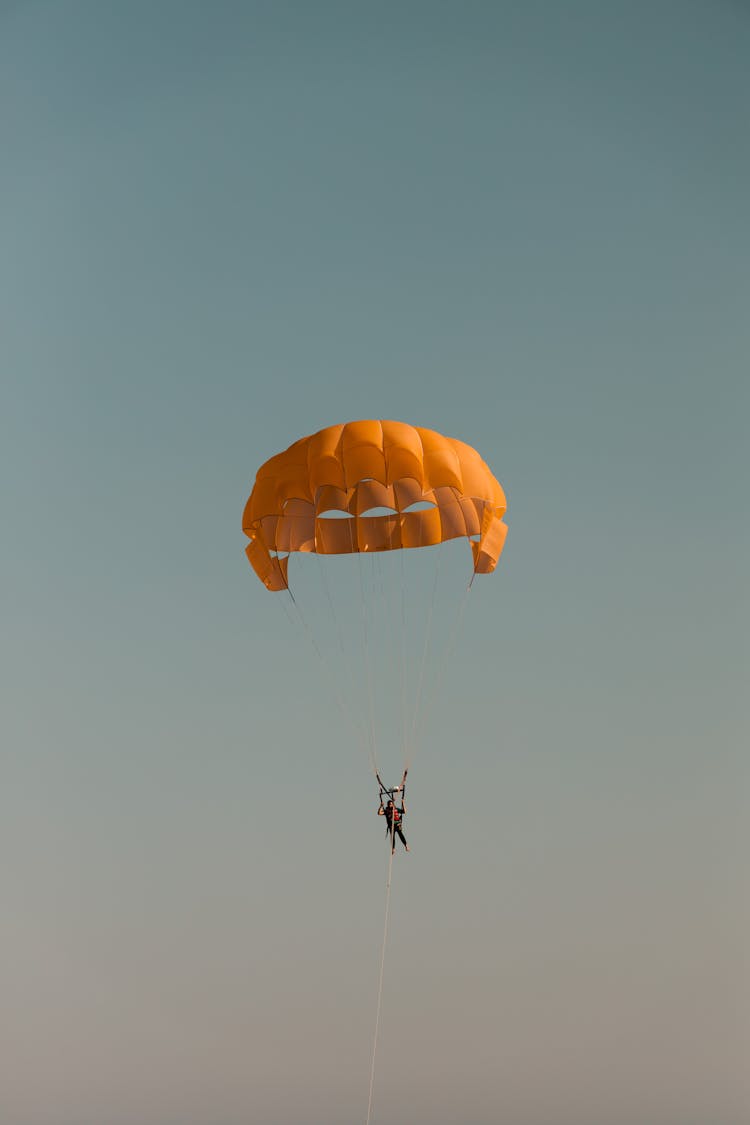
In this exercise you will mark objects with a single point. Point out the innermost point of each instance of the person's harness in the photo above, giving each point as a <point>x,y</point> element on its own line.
<point>393,823</point>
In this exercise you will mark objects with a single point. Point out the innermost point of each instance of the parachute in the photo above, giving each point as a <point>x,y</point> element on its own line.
<point>377,490</point>
<point>391,485</point>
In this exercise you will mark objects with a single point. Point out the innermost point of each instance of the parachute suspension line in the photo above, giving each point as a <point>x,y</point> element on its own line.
<point>389,636</point>
<point>450,648</point>
<point>282,601</point>
<point>346,662</point>
<point>380,978</point>
<point>404,733</point>
<point>340,700</point>
<point>416,723</point>
<point>368,669</point>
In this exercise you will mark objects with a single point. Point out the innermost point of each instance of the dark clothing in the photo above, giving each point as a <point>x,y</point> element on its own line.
<point>393,815</point>
<point>393,822</point>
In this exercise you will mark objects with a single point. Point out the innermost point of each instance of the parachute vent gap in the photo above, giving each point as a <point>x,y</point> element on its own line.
<point>294,500</point>
<point>380,511</point>
<point>420,506</point>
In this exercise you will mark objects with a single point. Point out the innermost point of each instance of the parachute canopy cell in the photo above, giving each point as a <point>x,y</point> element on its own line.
<point>372,486</point>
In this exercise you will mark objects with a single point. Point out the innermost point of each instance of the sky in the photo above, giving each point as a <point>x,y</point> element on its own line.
<point>226,226</point>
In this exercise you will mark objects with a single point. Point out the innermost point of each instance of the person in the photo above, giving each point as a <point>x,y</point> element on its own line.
<point>394,821</point>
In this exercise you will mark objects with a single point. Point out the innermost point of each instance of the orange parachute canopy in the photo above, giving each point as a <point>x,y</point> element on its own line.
<point>371,486</point>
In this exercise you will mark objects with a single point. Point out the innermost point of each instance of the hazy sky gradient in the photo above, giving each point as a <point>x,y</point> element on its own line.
<point>222,227</point>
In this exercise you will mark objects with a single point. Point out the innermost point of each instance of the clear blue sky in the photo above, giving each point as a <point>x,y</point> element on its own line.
<point>222,227</point>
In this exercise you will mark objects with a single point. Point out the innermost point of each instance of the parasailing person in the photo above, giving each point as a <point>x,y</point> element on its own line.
<point>393,814</point>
